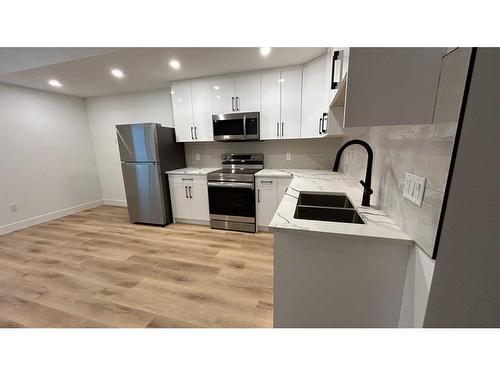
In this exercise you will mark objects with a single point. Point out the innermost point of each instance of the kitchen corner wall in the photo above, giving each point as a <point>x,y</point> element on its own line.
<point>305,153</point>
<point>107,111</point>
<point>47,162</point>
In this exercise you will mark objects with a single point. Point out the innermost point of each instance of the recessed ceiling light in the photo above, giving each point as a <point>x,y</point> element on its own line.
<point>175,64</point>
<point>216,87</point>
<point>281,80</point>
<point>218,96</point>
<point>265,51</point>
<point>55,83</point>
<point>117,73</point>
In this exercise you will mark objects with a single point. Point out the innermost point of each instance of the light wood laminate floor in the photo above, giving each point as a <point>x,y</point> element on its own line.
<point>95,269</point>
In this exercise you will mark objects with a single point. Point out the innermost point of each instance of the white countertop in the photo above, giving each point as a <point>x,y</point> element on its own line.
<point>193,171</point>
<point>377,223</point>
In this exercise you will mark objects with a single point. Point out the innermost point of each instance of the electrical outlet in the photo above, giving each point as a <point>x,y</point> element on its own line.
<point>12,207</point>
<point>288,156</point>
<point>414,187</point>
<point>197,156</point>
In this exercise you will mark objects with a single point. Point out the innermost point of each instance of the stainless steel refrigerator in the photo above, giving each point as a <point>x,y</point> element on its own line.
<point>147,151</point>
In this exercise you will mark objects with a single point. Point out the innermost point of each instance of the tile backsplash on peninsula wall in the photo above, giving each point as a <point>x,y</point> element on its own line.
<point>425,150</point>
<point>305,153</point>
<point>400,149</point>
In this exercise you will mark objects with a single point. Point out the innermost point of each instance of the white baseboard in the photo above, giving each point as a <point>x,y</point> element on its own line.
<point>192,221</point>
<point>114,202</point>
<point>47,217</point>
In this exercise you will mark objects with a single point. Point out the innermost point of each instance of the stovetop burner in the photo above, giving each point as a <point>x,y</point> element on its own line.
<point>238,168</point>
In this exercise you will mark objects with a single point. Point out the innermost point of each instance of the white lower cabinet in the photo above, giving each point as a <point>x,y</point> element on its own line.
<point>270,191</point>
<point>189,197</point>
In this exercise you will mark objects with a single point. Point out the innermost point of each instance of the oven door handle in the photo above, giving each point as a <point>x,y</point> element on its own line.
<point>241,185</point>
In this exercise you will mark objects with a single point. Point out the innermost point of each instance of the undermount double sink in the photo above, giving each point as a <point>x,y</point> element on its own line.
<point>327,207</point>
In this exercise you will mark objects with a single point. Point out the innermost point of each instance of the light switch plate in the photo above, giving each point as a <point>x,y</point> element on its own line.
<point>197,156</point>
<point>288,156</point>
<point>414,187</point>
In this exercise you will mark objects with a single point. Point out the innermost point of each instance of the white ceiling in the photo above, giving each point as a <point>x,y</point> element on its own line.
<point>86,71</point>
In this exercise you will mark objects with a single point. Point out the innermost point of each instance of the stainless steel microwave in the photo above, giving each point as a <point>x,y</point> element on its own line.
<point>241,126</point>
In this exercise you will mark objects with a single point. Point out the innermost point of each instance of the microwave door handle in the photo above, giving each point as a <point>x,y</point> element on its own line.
<point>244,125</point>
<point>277,129</point>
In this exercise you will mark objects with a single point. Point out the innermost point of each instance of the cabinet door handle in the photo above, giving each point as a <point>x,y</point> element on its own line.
<point>266,182</point>
<point>335,58</point>
<point>277,129</point>
<point>232,103</point>
<point>320,125</point>
<point>258,195</point>
<point>237,103</point>
<point>195,134</point>
<point>282,129</point>
<point>190,193</point>
<point>186,188</point>
<point>325,123</point>
<point>192,133</point>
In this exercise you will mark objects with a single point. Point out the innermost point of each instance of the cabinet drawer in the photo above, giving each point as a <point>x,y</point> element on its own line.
<point>266,181</point>
<point>189,179</point>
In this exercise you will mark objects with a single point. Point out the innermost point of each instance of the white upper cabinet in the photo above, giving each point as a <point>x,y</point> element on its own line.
<point>314,98</point>
<point>247,93</point>
<point>192,111</point>
<point>389,86</point>
<point>270,117</point>
<point>281,104</point>
<point>202,110</point>
<point>240,94</point>
<point>291,99</point>
<point>182,111</point>
<point>223,98</point>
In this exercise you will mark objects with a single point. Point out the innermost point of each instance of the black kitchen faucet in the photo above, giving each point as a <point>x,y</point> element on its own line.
<point>368,179</point>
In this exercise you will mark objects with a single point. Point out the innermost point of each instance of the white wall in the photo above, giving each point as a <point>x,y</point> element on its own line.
<point>106,112</point>
<point>419,271</point>
<point>47,162</point>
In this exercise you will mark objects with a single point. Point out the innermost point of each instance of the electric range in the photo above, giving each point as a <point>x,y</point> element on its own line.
<point>231,192</point>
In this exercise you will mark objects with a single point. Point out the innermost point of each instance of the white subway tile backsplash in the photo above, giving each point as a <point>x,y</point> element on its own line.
<point>306,153</point>
<point>421,149</point>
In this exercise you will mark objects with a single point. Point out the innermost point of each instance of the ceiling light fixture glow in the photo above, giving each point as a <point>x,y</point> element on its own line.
<point>216,87</point>
<point>265,51</point>
<point>174,64</point>
<point>55,83</point>
<point>117,73</point>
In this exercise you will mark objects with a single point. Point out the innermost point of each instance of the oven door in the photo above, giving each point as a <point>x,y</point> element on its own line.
<point>232,201</point>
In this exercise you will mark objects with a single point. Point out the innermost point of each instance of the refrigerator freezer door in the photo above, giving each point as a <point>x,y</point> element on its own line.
<point>144,192</point>
<point>137,142</point>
